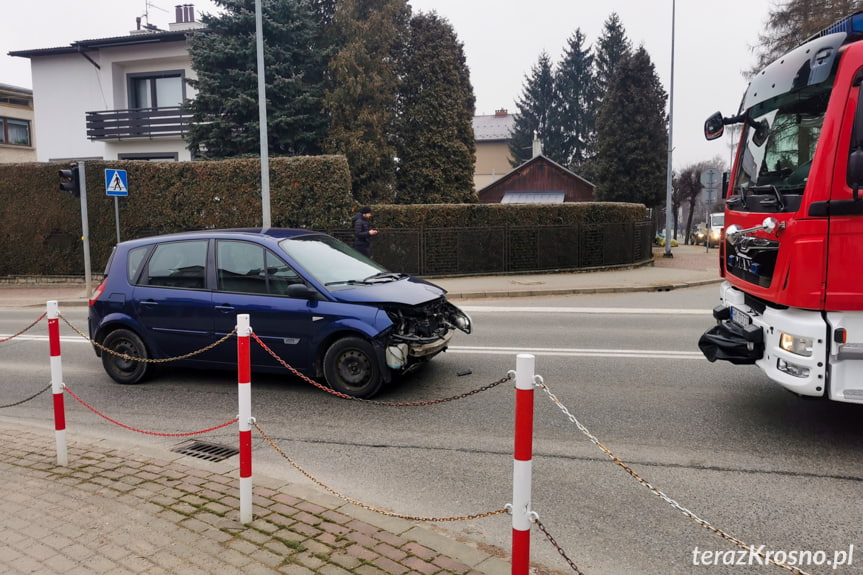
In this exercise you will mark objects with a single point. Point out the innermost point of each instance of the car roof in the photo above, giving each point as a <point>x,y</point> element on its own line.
<point>234,233</point>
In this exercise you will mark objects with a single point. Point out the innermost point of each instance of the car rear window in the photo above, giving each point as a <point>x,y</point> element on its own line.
<point>177,264</point>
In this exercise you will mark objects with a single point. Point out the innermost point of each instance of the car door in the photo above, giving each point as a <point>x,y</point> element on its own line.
<point>252,279</point>
<point>171,298</point>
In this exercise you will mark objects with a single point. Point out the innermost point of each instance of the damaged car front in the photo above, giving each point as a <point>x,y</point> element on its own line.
<point>356,359</point>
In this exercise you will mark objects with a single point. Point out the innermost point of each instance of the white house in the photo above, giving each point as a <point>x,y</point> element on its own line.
<point>114,98</point>
<point>16,124</point>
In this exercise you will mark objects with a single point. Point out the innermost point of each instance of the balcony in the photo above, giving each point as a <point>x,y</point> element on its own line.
<point>169,122</point>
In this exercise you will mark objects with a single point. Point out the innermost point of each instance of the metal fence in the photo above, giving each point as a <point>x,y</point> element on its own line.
<point>509,249</point>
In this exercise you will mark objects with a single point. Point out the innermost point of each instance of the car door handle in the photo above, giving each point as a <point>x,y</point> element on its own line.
<point>225,307</point>
<point>149,302</point>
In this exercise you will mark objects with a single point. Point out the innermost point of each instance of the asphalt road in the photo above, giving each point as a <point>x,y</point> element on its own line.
<point>723,442</point>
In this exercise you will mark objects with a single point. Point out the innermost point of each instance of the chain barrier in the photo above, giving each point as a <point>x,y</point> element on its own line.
<point>715,530</point>
<point>344,497</point>
<point>34,396</point>
<point>535,519</point>
<point>157,433</point>
<point>28,328</point>
<point>331,391</point>
<point>147,359</point>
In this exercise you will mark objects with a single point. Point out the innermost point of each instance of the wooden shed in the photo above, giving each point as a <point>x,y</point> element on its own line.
<point>538,181</point>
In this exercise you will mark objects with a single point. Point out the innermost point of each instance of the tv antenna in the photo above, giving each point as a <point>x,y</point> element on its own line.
<point>147,6</point>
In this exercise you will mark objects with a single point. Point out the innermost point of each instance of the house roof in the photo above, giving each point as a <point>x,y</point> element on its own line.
<point>10,89</point>
<point>493,127</point>
<point>99,43</point>
<point>538,158</point>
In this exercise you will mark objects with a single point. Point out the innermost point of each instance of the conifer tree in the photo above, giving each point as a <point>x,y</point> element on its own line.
<point>534,116</point>
<point>574,110</point>
<point>224,57</point>
<point>611,48</point>
<point>632,137</point>
<point>436,147</point>
<point>362,98</point>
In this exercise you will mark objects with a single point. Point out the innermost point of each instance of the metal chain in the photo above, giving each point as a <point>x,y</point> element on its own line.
<point>147,359</point>
<point>35,395</point>
<point>363,505</point>
<point>554,543</point>
<point>40,318</point>
<point>135,429</point>
<point>331,391</point>
<point>658,492</point>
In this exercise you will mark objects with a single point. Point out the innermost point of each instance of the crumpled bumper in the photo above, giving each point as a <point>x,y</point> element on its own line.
<point>727,341</point>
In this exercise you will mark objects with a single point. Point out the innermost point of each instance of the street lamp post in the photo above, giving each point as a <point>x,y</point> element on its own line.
<point>262,118</point>
<point>668,206</point>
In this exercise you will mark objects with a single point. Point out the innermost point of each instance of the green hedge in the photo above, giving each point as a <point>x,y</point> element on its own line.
<point>41,230</point>
<point>483,215</point>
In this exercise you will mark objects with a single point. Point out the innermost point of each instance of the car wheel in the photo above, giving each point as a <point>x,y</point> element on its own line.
<point>123,370</point>
<point>351,367</point>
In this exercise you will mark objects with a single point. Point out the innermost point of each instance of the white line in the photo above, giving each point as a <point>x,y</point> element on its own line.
<point>66,338</point>
<point>580,352</point>
<point>593,310</point>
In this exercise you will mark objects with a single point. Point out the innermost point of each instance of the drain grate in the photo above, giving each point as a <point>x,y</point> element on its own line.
<point>205,451</point>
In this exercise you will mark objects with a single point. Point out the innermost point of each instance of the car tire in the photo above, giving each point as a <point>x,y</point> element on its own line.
<point>122,370</point>
<point>351,367</point>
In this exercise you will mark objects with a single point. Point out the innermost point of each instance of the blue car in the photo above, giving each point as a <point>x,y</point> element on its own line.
<point>319,305</point>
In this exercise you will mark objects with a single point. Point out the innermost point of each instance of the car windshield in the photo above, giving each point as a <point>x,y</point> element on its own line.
<point>330,261</point>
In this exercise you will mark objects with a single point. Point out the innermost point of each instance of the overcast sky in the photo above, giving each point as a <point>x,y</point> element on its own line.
<point>502,39</point>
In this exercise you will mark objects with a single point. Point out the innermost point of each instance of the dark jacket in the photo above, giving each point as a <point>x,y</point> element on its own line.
<point>362,237</point>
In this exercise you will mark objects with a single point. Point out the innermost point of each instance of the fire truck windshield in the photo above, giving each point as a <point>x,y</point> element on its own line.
<point>779,141</point>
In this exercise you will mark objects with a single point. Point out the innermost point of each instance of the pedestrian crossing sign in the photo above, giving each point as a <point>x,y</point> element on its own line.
<point>116,183</point>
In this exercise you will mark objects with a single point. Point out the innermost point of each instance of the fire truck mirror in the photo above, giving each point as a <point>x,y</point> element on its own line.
<point>714,127</point>
<point>762,130</point>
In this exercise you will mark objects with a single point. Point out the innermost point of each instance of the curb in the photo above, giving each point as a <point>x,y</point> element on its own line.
<point>577,291</point>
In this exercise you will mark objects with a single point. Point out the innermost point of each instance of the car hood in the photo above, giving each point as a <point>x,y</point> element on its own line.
<point>408,291</point>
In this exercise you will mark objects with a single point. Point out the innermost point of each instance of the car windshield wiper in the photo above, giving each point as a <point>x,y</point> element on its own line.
<point>384,276</point>
<point>344,282</point>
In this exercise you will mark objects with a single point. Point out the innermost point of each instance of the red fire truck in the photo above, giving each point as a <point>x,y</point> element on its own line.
<point>792,252</point>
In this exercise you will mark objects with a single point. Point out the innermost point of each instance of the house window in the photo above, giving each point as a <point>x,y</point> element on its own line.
<point>15,132</point>
<point>161,90</point>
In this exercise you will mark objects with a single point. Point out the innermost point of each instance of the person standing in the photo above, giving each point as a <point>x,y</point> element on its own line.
<point>363,231</point>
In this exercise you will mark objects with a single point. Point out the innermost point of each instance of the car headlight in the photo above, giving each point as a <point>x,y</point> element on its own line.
<point>795,344</point>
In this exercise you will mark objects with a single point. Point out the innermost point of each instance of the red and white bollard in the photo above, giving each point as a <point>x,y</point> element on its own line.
<point>522,464</point>
<point>244,384</point>
<point>57,382</point>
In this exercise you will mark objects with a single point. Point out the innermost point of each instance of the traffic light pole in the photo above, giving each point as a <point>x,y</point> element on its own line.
<point>85,228</point>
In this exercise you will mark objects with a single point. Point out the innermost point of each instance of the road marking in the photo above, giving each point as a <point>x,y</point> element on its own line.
<point>579,352</point>
<point>480,350</point>
<point>593,310</point>
<point>66,338</point>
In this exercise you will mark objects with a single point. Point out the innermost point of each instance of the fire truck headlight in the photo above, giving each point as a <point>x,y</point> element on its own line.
<point>796,344</point>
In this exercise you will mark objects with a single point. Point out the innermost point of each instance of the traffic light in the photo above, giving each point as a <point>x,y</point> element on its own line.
<point>70,181</point>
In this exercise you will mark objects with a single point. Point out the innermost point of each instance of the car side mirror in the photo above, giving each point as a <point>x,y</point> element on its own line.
<point>301,291</point>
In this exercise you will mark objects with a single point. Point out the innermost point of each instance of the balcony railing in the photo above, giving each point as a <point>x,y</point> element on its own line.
<point>138,123</point>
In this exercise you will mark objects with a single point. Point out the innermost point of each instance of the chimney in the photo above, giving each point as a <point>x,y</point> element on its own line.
<point>185,16</point>
<point>500,112</point>
<point>537,146</point>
